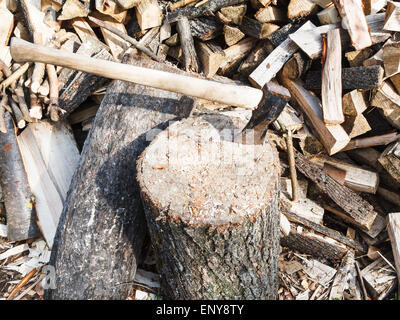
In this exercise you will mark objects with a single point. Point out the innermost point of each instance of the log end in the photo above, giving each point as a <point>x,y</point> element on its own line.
<point>196,172</point>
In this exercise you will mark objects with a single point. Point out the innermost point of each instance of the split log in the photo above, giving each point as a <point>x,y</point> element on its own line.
<point>234,55</point>
<point>391,58</point>
<point>283,33</point>
<point>355,178</point>
<point>195,12</point>
<point>187,45</point>
<point>375,60</point>
<point>148,14</point>
<point>299,9</point>
<point>127,4</point>
<point>311,41</point>
<point>74,8</point>
<point>297,66</point>
<point>232,35</point>
<point>329,15</point>
<point>331,91</point>
<point>220,236</point>
<point>107,175</point>
<point>357,57</point>
<point>379,277</point>
<point>393,222</point>
<point>373,6</point>
<point>392,16</point>
<point>354,21</point>
<point>388,103</point>
<point>321,229</point>
<point>333,137</point>
<point>50,156</point>
<point>365,78</point>
<point>256,56</point>
<point>257,29</point>
<point>76,86</point>
<point>7,25</point>
<point>343,276</point>
<point>234,14</point>
<point>395,80</point>
<point>308,242</point>
<point>18,198</point>
<point>270,14</point>
<point>390,160</point>
<point>276,60</point>
<point>112,9</point>
<point>358,210</point>
<point>205,28</point>
<point>373,141</point>
<point>211,57</point>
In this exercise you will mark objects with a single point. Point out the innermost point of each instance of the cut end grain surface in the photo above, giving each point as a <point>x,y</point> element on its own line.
<point>195,172</point>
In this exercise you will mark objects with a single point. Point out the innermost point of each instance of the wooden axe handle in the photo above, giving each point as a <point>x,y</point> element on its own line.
<point>239,96</point>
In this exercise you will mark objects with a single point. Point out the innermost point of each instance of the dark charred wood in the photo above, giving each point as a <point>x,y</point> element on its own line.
<point>365,78</point>
<point>283,33</point>
<point>206,28</point>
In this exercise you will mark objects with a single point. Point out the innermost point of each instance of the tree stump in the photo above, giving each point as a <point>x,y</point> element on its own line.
<point>212,209</point>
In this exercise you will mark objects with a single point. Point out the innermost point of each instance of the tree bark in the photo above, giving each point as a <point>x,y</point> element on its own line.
<point>101,230</point>
<point>17,195</point>
<point>77,86</point>
<point>214,238</point>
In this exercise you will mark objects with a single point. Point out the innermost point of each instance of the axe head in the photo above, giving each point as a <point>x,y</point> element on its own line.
<point>274,99</point>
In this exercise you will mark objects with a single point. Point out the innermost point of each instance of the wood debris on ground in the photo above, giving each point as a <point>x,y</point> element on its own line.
<point>338,137</point>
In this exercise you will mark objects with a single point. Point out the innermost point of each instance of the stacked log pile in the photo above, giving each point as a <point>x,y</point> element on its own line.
<point>329,74</point>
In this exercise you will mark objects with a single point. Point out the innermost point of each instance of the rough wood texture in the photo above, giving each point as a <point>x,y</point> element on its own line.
<point>353,19</point>
<point>365,78</point>
<point>333,137</point>
<point>74,8</point>
<point>210,244</point>
<point>187,45</point>
<point>331,233</point>
<point>17,195</point>
<point>76,85</point>
<point>149,14</point>
<point>393,222</point>
<point>257,29</point>
<point>311,41</point>
<point>205,28</point>
<point>276,60</point>
<point>315,245</point>
<point>194,12</point>
<point>6,26</point>
<point>357,209</point>
<point>331,91</point>
<point>392,16</point>
<point>390,160</point>
<point>388,103</point>
<point>107,175</point>
<point>211,57</point>
<point>391,58</point>
<point>328,16</point>
<point>298,9</point>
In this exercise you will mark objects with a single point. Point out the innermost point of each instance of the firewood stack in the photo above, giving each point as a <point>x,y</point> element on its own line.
<point>338,136</point>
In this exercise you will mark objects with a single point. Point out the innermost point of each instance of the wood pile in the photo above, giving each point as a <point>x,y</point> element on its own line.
<point>321,78</point>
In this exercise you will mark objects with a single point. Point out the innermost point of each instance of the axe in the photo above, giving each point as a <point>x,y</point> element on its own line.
<point>267,104</point>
